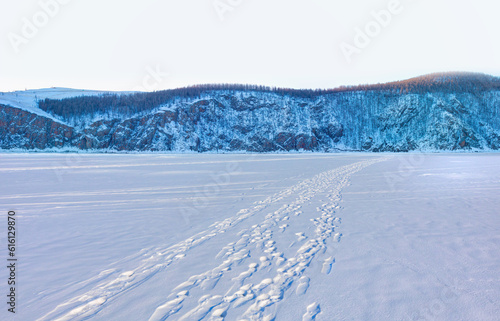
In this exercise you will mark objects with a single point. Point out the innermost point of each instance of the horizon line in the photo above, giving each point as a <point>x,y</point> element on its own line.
<point>439,73</point>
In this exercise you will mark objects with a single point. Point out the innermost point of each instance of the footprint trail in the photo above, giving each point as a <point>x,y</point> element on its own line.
<point>253,273</point>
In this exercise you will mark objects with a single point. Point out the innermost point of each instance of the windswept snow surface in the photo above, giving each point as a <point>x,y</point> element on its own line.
<point>254,237</point>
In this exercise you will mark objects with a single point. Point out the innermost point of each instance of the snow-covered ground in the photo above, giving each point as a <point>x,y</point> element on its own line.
<point>27,99</point>
<point>254,237</point>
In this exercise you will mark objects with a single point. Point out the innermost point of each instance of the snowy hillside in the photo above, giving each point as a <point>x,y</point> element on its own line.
<point>431,113</point>
<point>28,99</point>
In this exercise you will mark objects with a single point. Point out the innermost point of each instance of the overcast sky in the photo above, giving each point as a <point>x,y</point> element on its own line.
<point>160,44</point>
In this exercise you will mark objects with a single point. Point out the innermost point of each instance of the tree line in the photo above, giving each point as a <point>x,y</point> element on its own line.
<point>134,103</point>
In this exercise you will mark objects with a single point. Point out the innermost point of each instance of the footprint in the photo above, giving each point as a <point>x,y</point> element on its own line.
<point>226,251</point>
<point>252,268</point>
<point>205,305</point>
<point>312,311</point>
<point>337,237</point>
<point>262,285</point>
<point>283,227</point>
<point>169,308</point>
<point>303,285</point>
<point>264,261</point>
<point>327,265</point>
<point>280,260</point>
<point>220,313</point>
<point>190,283</point>
<point>301,236</point>
<point>210,283</point>
<point>244,299</point>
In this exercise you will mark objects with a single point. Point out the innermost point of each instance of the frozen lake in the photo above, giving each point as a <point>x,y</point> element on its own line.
<point>254,237</point>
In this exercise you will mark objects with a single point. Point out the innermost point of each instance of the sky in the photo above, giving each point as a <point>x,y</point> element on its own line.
<point>152,45</point>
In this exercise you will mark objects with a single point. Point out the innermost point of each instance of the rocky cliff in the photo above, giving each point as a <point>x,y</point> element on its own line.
<point>397,118</point>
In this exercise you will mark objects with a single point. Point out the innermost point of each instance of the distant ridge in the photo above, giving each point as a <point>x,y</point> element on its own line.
<point>435,112</point>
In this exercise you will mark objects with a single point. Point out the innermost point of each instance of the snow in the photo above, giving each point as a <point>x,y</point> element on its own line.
<point>266,121</point>
<point>27,99</point>
<point>254,237</point>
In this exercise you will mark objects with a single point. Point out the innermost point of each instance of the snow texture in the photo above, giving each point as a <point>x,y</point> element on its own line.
<point>255,237</point>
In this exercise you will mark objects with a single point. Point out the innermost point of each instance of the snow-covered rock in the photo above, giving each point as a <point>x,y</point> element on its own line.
<point>372,119</point>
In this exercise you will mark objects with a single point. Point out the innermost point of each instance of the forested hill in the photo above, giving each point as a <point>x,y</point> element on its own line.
<point>437,112</point>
